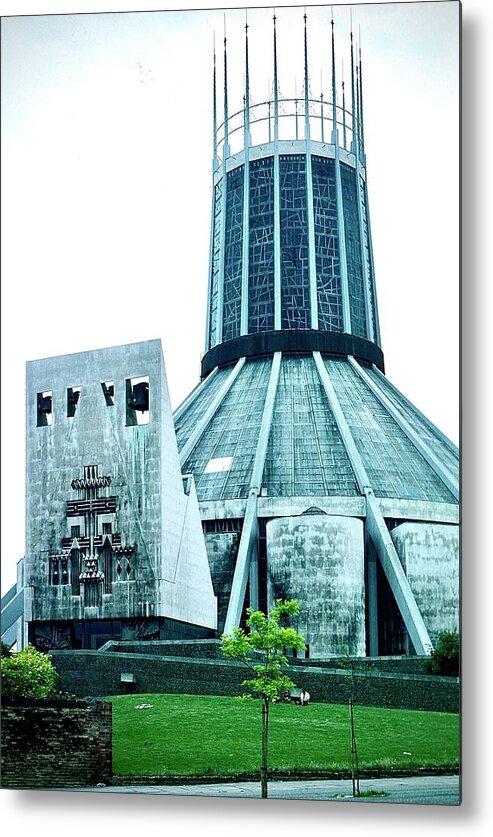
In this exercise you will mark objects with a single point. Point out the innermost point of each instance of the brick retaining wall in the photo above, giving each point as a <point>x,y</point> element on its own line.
<point>99,673</point>
<point>50,744</point>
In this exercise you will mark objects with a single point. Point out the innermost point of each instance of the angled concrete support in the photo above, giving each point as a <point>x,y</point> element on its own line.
<point>193,395</point>
<point>206,418</point>
<point>434,429</point>
<point>249,533</point>
<point>439,468</point>
<point>351,449</point>
<point>12,617</point>
<point>396,576</point>
<point>376,526</point>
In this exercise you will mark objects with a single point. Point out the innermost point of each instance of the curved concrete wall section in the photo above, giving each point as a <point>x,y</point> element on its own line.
<point>319,560</point>
<point>429,553</point>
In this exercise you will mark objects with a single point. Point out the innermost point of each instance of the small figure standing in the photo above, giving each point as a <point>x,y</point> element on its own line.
<point>305,697</point>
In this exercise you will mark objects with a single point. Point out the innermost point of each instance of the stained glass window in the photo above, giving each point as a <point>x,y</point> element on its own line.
<point>326,245</point>
<point>216,258</point>
<point>261,246</point>
<point>295,283</point>
<point>233,255</point>
<point>366,250</point>
<point>353,251</point>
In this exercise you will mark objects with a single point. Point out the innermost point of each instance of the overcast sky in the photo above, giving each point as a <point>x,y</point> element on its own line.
<point>106,189</point>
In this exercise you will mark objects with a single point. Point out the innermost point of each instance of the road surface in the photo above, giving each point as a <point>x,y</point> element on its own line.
<point>413,790</point>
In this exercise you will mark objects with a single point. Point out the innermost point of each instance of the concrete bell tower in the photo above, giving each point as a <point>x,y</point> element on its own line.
<point>114,546</point>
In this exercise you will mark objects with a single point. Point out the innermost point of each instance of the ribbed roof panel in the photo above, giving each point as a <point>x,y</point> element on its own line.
<point>393,464</point>
<point>199,404</point>
<point>306,455</point>
<point>231,435</point>
<point>445,451</point>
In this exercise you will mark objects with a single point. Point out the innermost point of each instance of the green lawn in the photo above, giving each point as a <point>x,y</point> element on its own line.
<point>187,735</point>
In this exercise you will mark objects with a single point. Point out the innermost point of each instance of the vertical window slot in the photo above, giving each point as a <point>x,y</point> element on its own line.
<point>137,401</point>
<point>73,394</point>
<point>44,409</point>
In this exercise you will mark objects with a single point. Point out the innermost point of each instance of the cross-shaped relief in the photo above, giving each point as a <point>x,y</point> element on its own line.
<point>95,557</point>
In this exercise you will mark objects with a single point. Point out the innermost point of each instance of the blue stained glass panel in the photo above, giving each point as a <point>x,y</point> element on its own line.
<point>261,246</point>
<point>353,251</point>
<point>233,254</point>
<point>295,282</point>
<point>326,245</point>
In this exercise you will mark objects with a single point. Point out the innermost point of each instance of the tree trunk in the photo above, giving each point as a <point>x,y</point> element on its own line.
<point>264,760</point>
<point>354,753</point>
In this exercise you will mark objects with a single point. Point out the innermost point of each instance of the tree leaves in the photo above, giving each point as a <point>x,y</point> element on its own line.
<point>28,674</point>
<point>264,647</point>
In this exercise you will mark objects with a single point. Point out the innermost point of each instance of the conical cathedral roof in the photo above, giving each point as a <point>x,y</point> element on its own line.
<point>306,454</point>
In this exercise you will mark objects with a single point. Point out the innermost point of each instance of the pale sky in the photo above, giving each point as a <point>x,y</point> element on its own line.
<point>106,188</point>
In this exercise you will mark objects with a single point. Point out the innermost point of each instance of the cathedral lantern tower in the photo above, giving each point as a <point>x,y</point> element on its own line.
<point>291,245</point>
<point>316,478</point>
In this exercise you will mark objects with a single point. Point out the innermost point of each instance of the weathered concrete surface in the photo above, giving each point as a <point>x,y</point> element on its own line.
<point>419,510</point>
<point>429,553</point>
<point>319,560</point>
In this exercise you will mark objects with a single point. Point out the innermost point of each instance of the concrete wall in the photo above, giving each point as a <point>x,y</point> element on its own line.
<point>188,593</point>
<point>99,673</point>
<point>50,744</point>
<point>319,560</point>
<point>429,553</point>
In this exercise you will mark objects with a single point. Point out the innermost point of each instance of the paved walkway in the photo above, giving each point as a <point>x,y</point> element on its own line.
<point>421,790</point>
